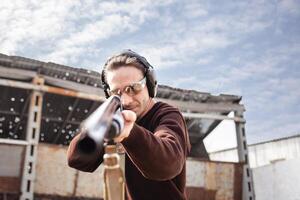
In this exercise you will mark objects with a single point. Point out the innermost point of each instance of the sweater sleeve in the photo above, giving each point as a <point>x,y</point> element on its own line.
<point>159,155</point>
<point>83,162</point>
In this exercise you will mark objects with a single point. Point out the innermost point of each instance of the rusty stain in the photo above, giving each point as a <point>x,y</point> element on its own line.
<point>9,184</point>
<point>238,181</point>
<point>71,93</point>
<point>222,180</point>
<point>196,193</point>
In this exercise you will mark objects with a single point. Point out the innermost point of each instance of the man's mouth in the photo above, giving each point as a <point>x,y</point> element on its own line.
<point>129,108</point>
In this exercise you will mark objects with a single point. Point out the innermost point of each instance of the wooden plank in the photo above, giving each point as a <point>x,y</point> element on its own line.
<point>20,74</point>
<point>73,85</point>
<point>13,142</point>
<point>53,90</point>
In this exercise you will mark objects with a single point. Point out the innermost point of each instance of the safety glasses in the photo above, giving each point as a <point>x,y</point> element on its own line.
<point>130,90</point>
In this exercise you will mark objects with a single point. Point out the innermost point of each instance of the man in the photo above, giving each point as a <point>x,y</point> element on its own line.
<point>154,137</point>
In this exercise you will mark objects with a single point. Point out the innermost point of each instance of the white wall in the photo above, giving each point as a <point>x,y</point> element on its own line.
<point>264,153</point>
<point>222,137</point>
<point>278,181</point>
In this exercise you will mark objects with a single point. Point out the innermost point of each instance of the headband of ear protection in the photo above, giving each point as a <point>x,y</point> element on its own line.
<point>151,81</point>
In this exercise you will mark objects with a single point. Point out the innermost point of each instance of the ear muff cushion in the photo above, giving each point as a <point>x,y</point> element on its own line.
<point>151,82</point>
<point>105,85</point>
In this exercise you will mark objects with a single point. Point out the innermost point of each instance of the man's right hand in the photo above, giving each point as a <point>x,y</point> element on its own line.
<point>129,120</point>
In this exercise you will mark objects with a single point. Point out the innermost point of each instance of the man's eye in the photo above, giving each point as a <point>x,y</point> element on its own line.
<point>128,89</point>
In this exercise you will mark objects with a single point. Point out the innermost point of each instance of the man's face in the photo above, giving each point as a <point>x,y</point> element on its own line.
<point>125,76</point>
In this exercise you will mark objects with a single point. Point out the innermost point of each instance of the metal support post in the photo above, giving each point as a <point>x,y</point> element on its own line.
<point>248,189</point>
<point>32,138</point>
<point>114,185</point>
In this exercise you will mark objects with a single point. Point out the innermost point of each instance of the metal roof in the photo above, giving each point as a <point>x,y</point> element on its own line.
<point>92,78</point>
<point>61,114</point>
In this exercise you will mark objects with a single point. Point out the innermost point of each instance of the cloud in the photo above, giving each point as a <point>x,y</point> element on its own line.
<point>205,60</point>
<point>25,22</point>
<point>184,80</point>
<point>180,52</point>
<point>68,27</point>
<point>77,43</point>
<point>194,9</point>
<point>186,35</point>
<point>275,127</point>
<point>289,6</point>
<point>72,27</point>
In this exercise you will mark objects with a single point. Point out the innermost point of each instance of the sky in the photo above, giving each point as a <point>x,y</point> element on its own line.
<point>246,48</point>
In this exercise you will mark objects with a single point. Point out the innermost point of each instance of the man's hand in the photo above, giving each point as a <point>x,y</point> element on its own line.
<point>129,119</point>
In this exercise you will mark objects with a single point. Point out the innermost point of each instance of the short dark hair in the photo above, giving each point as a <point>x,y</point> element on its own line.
<point>118,61</point>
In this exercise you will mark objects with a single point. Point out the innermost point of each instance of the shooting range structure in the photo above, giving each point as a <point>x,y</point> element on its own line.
<point>43,103</point>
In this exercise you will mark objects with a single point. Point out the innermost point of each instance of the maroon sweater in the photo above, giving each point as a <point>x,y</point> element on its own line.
<point>156,151</point>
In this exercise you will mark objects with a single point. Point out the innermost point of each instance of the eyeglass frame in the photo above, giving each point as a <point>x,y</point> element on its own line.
<point>119,91</point>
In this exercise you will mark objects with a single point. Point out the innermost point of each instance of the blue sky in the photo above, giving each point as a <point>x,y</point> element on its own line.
<point>247,48</point>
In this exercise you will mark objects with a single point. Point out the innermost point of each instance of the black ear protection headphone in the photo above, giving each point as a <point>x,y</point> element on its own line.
<point>151,81</point>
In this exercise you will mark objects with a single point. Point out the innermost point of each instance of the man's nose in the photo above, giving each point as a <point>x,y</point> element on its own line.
<point>125,99</point>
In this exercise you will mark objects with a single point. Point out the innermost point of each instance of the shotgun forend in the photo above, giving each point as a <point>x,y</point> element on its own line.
<point>103,125</point>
